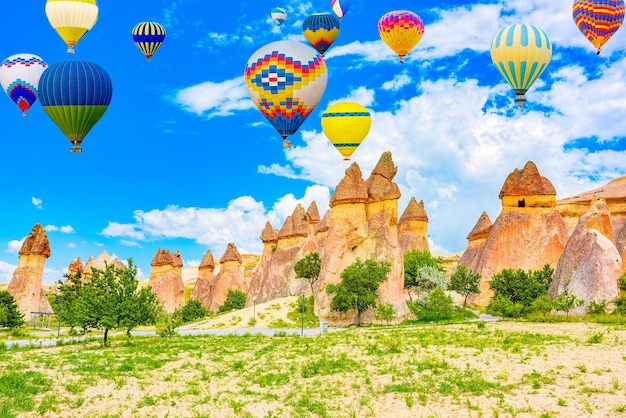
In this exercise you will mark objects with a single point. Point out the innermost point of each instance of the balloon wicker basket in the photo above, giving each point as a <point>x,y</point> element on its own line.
<point>76,149</point>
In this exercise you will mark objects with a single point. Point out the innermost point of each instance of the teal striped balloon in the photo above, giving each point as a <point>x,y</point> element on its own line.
<point>521,53</point>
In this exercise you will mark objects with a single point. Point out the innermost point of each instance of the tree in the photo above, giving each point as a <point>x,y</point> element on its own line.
<point>308,268</point>
<point>70,300</point>
<point>358,286</point>
<point>544,305</point>
<point>10,315</point>
<point>465,282</point>
<point>566,302</point>
<point>521,287</point>
<point>385,312</point>
<point>110,299</point>
<point>193,310</point>
<point>235,300</point>
<point>440,303</point>
<point>415,278</point>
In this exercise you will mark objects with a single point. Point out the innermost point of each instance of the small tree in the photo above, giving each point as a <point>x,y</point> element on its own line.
<point>10,315</point>
<point>235,300</point>
<point>193,310</point>
<point>519,286</point>
<point>465,282</point>
<point>308,268</point>
<point>566,302</point>
<point>544,305</point>
<point>414,278</point>
<point>70,300</point>
<point>440,303</point>
<point>385,312</point>
<point>358,286</point>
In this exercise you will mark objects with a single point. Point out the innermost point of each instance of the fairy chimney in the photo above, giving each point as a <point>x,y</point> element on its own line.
<point>413,227</point>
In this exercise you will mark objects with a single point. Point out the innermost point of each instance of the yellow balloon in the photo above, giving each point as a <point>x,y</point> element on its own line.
<point>346,124</point>
<point>72,19</point>
<point>521,53</point>
<point>401,30</point>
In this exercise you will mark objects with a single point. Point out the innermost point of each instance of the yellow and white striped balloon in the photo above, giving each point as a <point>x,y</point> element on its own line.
<point>346,124</point>
<point>72,19</point>
<point>521,53</point>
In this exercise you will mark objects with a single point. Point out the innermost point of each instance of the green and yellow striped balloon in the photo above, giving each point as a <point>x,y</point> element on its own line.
<point>521,53</point>
<point>346,124</point>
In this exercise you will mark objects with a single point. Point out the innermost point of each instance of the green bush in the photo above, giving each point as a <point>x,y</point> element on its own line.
<point>193,310</point>
<point>235,300</point>
<point>502,306</point>
<point>597,308</point>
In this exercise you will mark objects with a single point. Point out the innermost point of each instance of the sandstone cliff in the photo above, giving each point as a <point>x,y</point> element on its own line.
<point>363,224</point>
<point>413,227</point>
<point>205,281</point>
<point>25,286</point>
<point>166,280</point>
<point>589,267</point>
<point>230,277</point>
<point>528,233</point>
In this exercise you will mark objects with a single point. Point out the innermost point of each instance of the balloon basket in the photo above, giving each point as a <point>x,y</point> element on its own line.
<point>76,149</point>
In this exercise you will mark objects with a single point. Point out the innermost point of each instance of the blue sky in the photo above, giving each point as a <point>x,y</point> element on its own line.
<point>182,159</point>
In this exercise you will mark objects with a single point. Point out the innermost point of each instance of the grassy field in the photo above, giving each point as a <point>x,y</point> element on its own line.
<point>501,369</point>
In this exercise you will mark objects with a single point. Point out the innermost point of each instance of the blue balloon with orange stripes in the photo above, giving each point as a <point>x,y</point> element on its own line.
<point>321,30</point>
<point>598,20</point>
<point>148,37</point>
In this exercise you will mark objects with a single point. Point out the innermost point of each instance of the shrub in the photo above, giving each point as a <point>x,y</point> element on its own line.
<point>597,308</point>
<point>193,310</point>
<point>235,300</point>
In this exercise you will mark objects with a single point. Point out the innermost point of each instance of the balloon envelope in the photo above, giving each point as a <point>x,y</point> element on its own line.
<point>598,20</point>
<point>401,30</point>
<point>340,7</point>
<point>278,15</point>
<point>148,37</point>
<point>72,19</point>
<point>286,80</point>
<point>346,124</point>
<point>521,53</point>
<point>75,95</point>
<point>19,77</point>
<point>321,29</point>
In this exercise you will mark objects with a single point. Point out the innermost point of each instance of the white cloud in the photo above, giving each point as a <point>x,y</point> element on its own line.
<point>397,83</point>
<point>38,203</point>
<point>240,222</point>
<point>67,229</point>
<point>215,99</point>
<point>361,95</point>
<point>14,246</point>
<point>6,271</point>
<point>71,245</point>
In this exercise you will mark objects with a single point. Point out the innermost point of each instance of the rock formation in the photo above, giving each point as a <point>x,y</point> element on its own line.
<point>275,276</point>
<point>613,193</point>
<point>528,233</point>
<point>205,281</point>
<point>413,227</point>
<point>166,279</point>
<point>589,267</point>
<point>75,266</point>
<point>476,241</point>
<point>25,286</point>
<point>363,224</point>
<point>101,262</point>
<point>230,277</point>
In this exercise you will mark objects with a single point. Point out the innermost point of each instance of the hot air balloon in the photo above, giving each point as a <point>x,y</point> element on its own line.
<point>75,94</point>
<point>148,37</point>
<point>401,30</point>
<point>321,29</point>
<point>346,124</point>
<point>72,19</point>
<point>286,80</point>
<point>521,53</point>
<point>340,7</point>
<point>278,15</point>
<point>598,20</point>
<point>19,77</point>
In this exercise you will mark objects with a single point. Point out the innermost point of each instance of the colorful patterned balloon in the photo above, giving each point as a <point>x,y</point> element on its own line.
<point>286,80</point>
<point>340,7</point>
<point>148,37</point>
<point>346,124</point>
<point>521,53</point>
<point>321,30</point>
<point>75,95</point>
<point>19,77</point>
<point>278,15</point>
<point>598,20</point>
<point>401,30</point>
<point>72,19</point>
